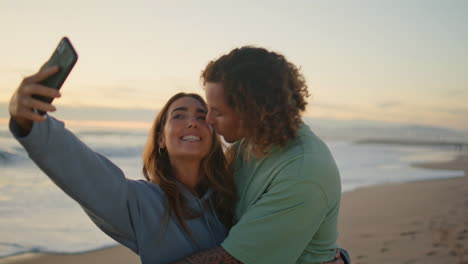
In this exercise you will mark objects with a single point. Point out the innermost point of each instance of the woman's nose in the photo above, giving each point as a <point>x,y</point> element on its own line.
<point>192,122</point>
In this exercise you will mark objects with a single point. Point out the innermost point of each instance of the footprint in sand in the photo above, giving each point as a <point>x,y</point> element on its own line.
<point>383,250</point>
<point>444,235</point>
<point>439,245</point>
<point>462,234</point>
<point>410,233</point>
<point>431,253</point>
<point>386,243</point>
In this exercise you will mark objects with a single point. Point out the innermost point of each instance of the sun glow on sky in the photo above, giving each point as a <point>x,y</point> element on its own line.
<point>394,61</point>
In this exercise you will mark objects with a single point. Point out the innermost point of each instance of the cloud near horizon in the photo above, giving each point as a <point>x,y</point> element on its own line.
<point>390,104</point>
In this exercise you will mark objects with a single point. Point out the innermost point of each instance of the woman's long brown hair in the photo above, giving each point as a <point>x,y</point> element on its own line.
<point>215,168</point>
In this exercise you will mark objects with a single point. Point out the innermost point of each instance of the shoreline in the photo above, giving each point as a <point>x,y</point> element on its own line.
<point>116,254</point>
<point>422,221</point>
<point>14,255</point>
<point>459,163</point>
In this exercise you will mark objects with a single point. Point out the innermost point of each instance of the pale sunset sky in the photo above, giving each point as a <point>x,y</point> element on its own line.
<point>398,61</point>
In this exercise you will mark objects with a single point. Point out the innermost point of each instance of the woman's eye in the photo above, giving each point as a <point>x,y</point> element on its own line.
<point>202,118</point>
<point>178,116</point>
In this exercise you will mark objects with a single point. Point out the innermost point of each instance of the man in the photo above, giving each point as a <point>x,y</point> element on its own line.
<point>287,182</point>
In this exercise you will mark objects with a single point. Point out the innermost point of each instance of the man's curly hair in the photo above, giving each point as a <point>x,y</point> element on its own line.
<point>266,90</point>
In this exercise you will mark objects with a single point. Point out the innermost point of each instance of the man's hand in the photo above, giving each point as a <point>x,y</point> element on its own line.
<point>22,104</point>
<point>218,255</point>
<point>338,259</point>
<point>215,255</point>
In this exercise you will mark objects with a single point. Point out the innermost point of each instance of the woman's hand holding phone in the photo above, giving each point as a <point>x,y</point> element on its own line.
<point>35,94</point>
<point>23,106</point>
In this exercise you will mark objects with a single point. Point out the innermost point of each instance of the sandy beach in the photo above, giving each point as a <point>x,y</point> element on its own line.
<point>416,222</point>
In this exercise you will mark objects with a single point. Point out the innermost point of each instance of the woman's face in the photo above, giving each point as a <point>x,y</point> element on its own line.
<point>186,134</point>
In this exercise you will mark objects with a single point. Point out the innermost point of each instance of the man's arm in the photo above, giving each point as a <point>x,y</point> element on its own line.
<point>215,255</point>
<point>218,255</point>
<point>278,227</point>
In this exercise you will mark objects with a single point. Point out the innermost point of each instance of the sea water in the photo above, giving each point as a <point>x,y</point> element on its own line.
<point>36,216</point>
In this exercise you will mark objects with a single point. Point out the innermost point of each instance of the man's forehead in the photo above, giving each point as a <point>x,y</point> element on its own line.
<point>214,95</point>
<point>213,89</point>
<point>215,104</point>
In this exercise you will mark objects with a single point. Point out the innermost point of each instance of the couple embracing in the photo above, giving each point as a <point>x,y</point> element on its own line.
<point>271,196</point>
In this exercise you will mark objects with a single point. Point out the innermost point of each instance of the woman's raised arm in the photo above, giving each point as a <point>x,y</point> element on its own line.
<point>97,184</point>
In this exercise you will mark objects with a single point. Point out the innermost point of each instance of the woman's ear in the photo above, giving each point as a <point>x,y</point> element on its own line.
<point>161,142</point>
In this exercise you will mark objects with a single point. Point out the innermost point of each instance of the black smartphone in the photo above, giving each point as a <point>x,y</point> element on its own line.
<point>65,58</point>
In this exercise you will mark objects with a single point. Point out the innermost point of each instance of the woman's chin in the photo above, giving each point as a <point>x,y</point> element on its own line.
<point>189,155</point>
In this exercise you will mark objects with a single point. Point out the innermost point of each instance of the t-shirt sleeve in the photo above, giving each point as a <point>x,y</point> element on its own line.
<point>278,227</point>
<point>98,185</point>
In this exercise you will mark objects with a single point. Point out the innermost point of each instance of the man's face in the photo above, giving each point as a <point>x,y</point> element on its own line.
<point>225,120</point>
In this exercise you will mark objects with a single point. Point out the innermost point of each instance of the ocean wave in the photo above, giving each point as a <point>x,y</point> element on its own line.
<point>109,133</point>
<point>13,249</point>
<point>5,134</point>
<point>18,154</point>
<point>134,151</point>
<point>11,155</point>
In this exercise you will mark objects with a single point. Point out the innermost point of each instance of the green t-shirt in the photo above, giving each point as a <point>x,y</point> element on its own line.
<point>288,202</point>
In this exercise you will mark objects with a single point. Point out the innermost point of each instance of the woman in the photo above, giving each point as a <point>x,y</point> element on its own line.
<point>185,204</point>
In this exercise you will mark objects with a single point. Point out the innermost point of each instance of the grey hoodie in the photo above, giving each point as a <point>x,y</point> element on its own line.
<point>129,211</point>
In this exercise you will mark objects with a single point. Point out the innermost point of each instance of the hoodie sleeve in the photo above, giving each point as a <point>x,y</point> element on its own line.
<point>89,178</point>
